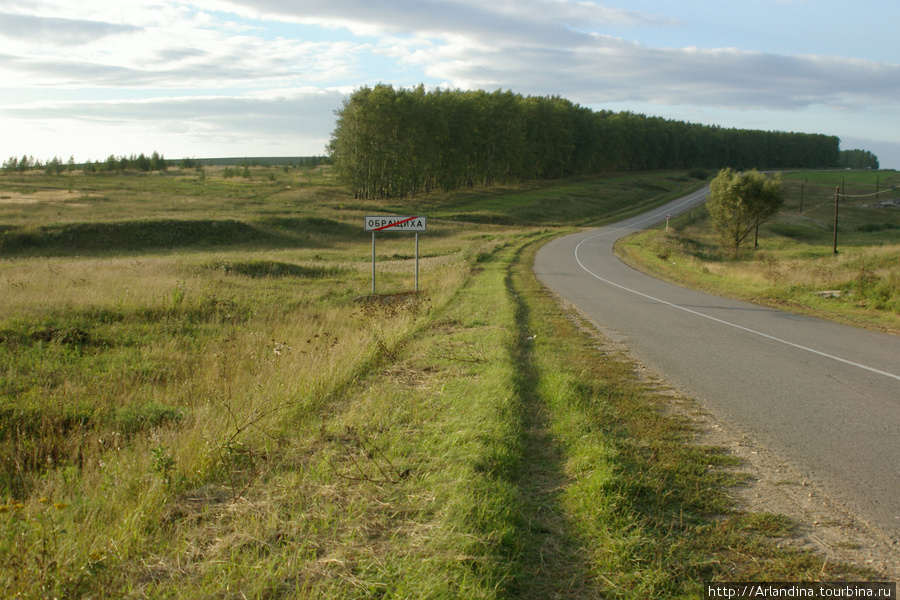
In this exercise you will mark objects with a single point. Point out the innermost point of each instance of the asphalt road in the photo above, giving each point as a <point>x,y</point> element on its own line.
<point>824,397</point>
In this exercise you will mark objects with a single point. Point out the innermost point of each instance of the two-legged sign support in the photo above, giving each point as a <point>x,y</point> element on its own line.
<point>415,225</point>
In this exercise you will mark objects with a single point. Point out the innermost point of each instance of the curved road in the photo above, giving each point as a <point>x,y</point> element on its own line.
<point>824,397</point>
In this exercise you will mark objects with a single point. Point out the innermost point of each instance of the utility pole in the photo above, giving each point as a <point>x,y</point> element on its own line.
<point>801,198</point>
<point>837,195</point>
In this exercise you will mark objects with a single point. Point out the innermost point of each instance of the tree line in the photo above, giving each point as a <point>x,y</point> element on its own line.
<point>857,159</point>
<point>401,142</point>
<point>119,164</point>
<point>153,162</point>
<point>114,164</point>
<point>54,165</point>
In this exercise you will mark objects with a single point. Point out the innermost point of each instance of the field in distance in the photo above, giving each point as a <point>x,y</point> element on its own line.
<point>795,266</point>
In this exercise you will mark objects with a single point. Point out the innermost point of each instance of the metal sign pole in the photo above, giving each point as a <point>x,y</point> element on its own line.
<point>395,223</point>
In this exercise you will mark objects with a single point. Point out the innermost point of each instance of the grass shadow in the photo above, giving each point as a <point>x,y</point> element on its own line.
<point>167,234</point>
<point>549,556</point>
<point>260,269</point>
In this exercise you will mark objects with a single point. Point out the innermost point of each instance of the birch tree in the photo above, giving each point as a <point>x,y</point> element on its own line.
<point>739,202</point>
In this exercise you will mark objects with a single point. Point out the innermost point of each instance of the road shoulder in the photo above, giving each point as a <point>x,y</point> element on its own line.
<point>772,485</point>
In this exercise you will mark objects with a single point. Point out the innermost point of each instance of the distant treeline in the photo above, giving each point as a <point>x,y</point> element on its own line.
<point>401,142</point>
<point>141,162</point>
<point>259,161</point>
<point>55,166</point>
<point>154,162</point>
<point>857,159</point>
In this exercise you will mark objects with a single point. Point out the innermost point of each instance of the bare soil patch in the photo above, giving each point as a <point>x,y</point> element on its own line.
<point>44,197</point>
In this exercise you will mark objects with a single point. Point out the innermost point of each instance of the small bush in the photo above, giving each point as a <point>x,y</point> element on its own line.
<point>876,227</point>
<point>137,417</point>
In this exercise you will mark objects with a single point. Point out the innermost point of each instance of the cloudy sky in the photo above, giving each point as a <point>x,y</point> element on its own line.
<point>212,78</point>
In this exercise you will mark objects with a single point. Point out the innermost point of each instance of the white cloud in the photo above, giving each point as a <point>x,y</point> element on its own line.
<point>260,58</point>
<point>482,24</point>
<point>551,46</point>
<point>613,70</point>
<point>203,59</point>
<point>533,46</point>
<point>162,45</point>
<point>293,120</point>
<point>56,31</point>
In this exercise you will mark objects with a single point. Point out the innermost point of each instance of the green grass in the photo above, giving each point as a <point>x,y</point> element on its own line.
<point>209,415</point>
<point>575,202</point>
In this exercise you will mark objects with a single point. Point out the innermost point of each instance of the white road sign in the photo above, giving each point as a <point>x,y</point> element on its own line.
<point>398,224</point>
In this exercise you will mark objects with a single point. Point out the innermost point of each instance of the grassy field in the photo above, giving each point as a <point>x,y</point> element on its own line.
<point>200,399</point>
<point>795,266</point>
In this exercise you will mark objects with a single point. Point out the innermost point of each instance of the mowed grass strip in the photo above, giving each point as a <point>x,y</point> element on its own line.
<point>409,485</point>
<point>650,509</point>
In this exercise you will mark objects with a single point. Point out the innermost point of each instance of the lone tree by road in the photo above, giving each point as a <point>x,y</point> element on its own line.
<point>739,202</point>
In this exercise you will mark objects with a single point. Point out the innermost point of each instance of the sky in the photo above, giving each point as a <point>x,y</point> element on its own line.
<point>246,78</point>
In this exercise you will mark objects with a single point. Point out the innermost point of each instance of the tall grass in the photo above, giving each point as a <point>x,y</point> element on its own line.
<point>146,380</point>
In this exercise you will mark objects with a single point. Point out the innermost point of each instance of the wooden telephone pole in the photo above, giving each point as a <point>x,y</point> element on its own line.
<point>837,195</point>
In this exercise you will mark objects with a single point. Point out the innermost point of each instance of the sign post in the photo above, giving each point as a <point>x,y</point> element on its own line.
<point>396,224</point>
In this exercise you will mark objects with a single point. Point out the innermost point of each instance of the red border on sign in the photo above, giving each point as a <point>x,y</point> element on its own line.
<point>395,224</point>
